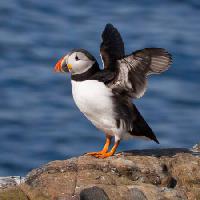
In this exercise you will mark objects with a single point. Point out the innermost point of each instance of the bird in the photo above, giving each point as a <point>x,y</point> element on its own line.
<point>105,95</point>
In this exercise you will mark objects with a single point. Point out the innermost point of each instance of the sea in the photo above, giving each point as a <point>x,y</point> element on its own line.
<point>39,121</point>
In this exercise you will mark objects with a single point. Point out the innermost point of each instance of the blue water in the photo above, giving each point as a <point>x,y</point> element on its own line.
<point>39,121</point>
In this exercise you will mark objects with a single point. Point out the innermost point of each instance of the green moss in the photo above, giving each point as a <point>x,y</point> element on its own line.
<point>12,194</point>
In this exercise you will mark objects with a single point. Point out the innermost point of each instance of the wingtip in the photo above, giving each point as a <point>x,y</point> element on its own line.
<point>109,26</point>
<point>156,141</point>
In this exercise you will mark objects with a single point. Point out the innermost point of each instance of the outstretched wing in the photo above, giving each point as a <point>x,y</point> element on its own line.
<point>134,69</point>
<point>129,73</point>
<point>112,46</point>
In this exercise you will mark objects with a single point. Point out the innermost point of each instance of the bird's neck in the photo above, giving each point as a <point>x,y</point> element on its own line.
<point>86,75</point>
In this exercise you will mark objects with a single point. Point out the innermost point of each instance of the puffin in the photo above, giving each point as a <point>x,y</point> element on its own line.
<point>105,95</point>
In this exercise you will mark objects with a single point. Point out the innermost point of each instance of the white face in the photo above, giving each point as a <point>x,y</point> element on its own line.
<point>78,62</point>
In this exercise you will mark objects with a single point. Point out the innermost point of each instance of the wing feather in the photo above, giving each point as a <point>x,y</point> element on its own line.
<point>129,73</point>
<point>134,69</point>
<point>112,46</point>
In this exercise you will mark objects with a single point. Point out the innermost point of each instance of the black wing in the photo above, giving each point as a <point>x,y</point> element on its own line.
<point>112,46</point>
<point>129,73</point>
<point>134,69</point>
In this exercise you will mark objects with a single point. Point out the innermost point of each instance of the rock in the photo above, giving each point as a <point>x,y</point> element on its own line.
<point>9,188</point>
<point>12,193</point>
<point>10,181</point>
<point>196,148</point>
<point>136,194</point>
<point>93,193</point>
<point>150,174</point>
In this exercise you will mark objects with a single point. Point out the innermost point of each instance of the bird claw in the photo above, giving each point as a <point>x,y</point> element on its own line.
<point>95,154</point>
<point>100,154</point>
<point>105,155</point>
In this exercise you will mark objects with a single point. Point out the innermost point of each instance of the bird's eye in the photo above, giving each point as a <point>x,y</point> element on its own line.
<point>76,58</point>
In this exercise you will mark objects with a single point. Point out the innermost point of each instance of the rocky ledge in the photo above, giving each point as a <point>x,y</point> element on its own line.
<point>150,174</point>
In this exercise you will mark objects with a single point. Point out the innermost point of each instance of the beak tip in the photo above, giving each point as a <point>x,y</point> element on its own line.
<point>58,66</point>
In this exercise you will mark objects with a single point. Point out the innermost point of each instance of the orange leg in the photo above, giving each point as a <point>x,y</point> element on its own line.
<point>108,154</point>
<point>104,150</point>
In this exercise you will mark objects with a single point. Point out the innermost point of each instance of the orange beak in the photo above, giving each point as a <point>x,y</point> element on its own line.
<point>58,66</point>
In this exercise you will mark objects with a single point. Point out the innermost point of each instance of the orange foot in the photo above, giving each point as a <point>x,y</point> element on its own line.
<point>95,153</point>
<point>104,155</point>
<point>104,150</point>
<point>108,154</point>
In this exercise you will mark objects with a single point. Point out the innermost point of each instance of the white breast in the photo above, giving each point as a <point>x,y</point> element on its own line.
<point>94,99</point>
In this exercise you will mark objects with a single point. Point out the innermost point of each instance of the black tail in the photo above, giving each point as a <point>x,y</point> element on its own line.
<point>140,126</point>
